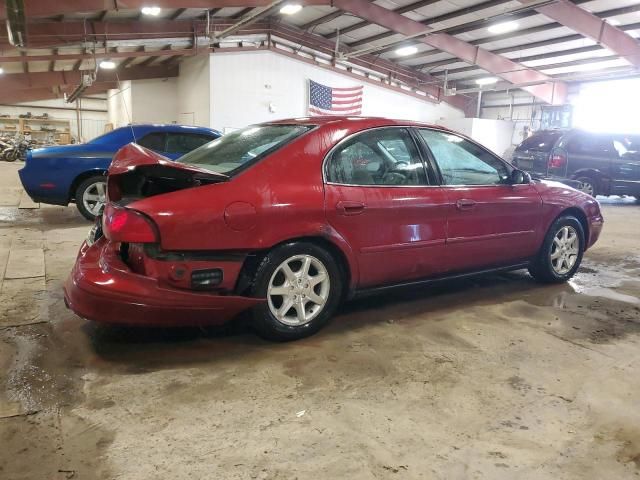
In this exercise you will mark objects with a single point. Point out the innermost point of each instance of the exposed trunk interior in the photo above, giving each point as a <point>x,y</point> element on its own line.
<point>150,180</point>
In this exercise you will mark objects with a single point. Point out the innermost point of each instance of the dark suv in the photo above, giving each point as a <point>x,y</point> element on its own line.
<point>597,164</point>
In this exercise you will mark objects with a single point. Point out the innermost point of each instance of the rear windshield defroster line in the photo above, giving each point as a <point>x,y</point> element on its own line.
<point>237,151</point>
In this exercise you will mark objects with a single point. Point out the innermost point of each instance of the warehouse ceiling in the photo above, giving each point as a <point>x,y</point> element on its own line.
<point>433,48</point>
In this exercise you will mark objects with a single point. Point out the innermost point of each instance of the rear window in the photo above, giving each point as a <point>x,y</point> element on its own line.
<point>540,142</point>
<point>235,151</point>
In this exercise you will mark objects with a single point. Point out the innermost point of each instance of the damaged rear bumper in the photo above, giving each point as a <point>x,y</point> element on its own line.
<point>101,287</point>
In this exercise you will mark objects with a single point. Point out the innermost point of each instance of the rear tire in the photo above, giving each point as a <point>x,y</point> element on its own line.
<point>561,253</point>
<point>302,284</point>
<point>588,185</point>
<point>91,196</point>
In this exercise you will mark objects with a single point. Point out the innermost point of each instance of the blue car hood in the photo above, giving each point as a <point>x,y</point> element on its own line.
<point>80,150</point>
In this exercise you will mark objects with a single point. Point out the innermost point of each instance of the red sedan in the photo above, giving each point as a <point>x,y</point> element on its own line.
<point>290,218</point>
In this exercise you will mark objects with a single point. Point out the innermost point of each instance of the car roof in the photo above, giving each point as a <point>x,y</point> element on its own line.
<point>162,127</point>
<point>354,122</point>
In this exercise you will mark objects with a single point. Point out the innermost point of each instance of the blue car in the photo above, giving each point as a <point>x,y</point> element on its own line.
<point>75,173</point>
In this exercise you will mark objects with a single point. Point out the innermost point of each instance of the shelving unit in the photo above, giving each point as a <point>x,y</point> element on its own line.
<point>56,130</point>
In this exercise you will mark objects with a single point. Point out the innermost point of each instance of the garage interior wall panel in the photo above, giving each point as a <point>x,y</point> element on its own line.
<point>119,105</point>
<point>193,91</point>
<point>92,122</point>
<point>253,87</point>
<point>154,101</point>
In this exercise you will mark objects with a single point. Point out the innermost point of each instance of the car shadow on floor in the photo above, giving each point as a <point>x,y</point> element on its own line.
<point>140,349</point>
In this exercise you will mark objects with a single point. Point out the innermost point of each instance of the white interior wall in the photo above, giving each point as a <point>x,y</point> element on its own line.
<point>253,87</point>
<point>193,91</point>
<point>154,100</point>
<point>119,105</point>
<point>92,122</point>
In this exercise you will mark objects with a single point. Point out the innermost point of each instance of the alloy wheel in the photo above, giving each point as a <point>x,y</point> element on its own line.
<point>94,198</point>
<point>565,250</point>
<point>298,290</point>
<point>587,187</point>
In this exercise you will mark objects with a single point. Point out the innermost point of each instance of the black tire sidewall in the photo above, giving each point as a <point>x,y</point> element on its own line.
<point>80,193</point>
<point>264,321</point>
<point>544,266</point>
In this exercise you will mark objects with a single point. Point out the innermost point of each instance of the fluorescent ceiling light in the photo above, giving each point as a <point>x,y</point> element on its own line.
<point>1,70</point>
<point>291,8</point>
<point>486,80</point>
<point>503,27</point>
<point>107,65</point>
<point>613,21</point>
<point>404,51</point>
<point>153,11</point>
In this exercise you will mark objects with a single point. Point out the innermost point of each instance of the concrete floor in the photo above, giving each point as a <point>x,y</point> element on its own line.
<point>496,377</point>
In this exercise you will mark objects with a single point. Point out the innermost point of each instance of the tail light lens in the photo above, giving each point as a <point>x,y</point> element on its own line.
<point>557,159</point>
<point>125,225</point>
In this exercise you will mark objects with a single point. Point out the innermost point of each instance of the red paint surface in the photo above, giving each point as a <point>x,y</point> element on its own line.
<point>402,233</point>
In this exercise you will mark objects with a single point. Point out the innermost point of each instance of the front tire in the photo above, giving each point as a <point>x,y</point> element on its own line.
<point>302,285</point>
<point>91,196</point>
<point>11,155</point>
<point>561,253</point>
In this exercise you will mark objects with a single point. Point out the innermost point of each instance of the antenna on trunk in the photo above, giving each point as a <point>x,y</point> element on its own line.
<point>133,133</point>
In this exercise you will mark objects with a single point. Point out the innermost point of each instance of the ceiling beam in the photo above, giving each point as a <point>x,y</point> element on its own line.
<point>252,17</point>
<point>321,20</point>
<point>25,63</point>
<point>44,34</point>
<point>241,13</point>
<point>530,58</point>
<point>11,97</point>
<point>591,26</point>
<point>52,61</point>
<point>440,18</point>
<point>150,60</point>
<point>405,9</point>
<point>528,31</point>
<point>88,56</point>
<point>21,81</point>
<point>177,13</point>
<point>392,71</point>
<point>548,91</point>
<point>139,51</point>
<point>570,63</point>
<point>211,12</point>
<point>48,8</point>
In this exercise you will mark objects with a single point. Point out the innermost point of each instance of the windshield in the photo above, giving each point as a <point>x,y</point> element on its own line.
<point>542,141</point>
<point>237,150</point>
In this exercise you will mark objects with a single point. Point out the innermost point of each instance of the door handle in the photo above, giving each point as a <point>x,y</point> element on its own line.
<point>347,207</point>
<point>465,204</point>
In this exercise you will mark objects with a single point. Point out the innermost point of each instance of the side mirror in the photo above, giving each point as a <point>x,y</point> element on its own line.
<point>518,177</point>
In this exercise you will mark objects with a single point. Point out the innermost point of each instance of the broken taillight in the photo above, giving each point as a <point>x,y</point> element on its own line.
<point>128,226</point>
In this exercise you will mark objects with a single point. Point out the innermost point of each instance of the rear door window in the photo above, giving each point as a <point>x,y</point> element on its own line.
<point>591,144</point>
<point>182,143</point>
<point>387,156</point>
<point>540,142</point>
<point>154,141</point>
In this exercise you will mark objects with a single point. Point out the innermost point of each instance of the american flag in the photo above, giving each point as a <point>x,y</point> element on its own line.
<point>325,100</point>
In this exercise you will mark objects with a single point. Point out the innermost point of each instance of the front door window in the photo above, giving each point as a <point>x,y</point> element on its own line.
<point>462,162</point>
